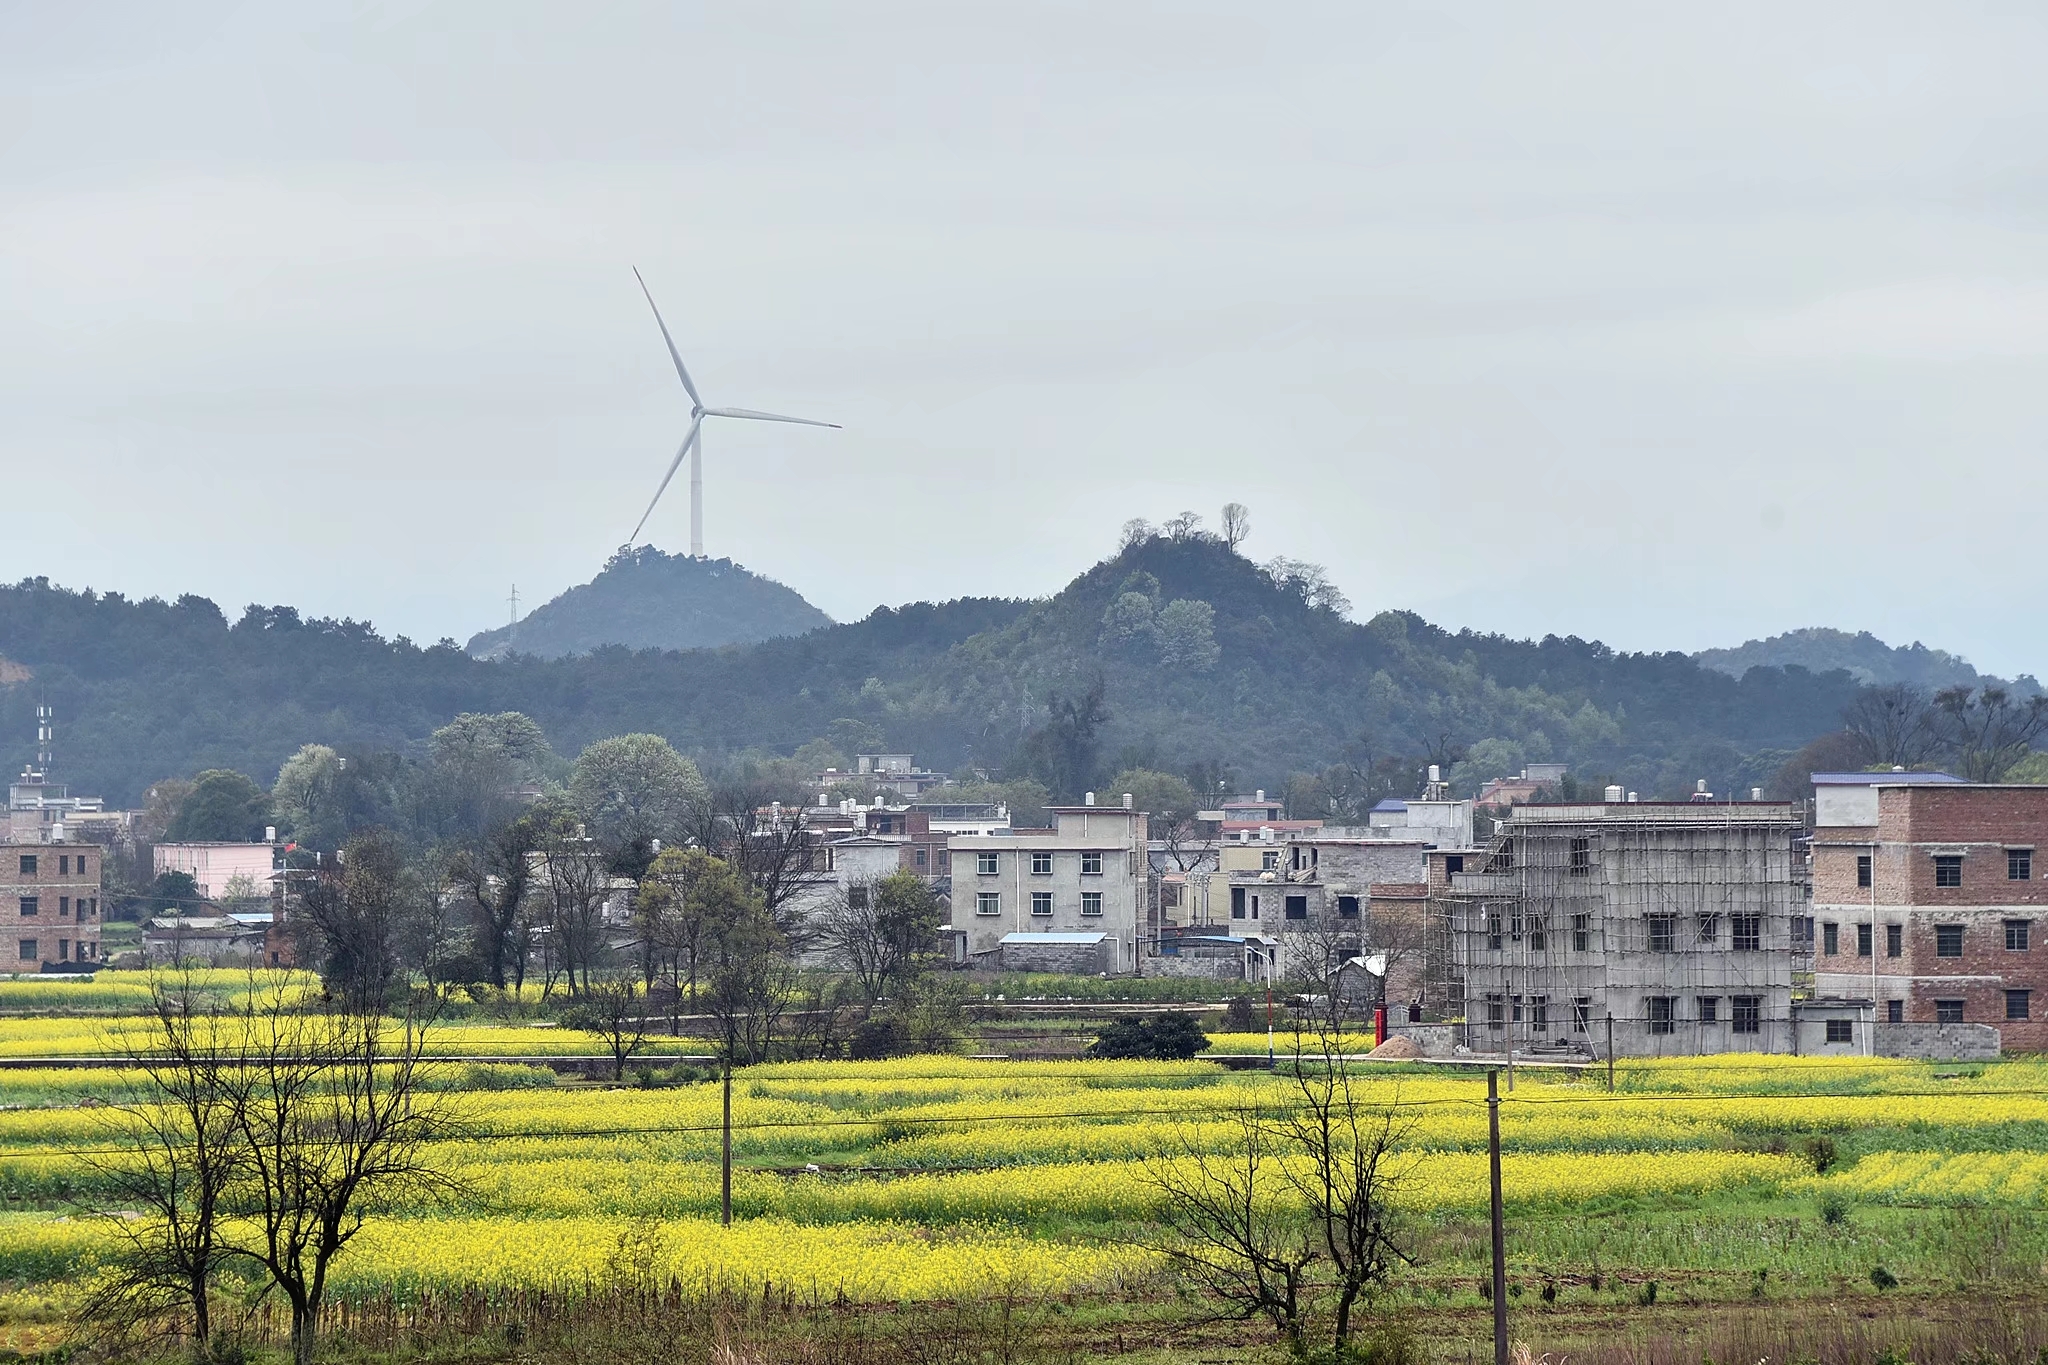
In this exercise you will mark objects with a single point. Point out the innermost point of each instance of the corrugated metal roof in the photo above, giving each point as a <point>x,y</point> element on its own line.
<point>1880,779</point>
<point>1027,940</point>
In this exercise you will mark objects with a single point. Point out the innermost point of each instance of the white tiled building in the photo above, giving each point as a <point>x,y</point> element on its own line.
<point>1088,876</point>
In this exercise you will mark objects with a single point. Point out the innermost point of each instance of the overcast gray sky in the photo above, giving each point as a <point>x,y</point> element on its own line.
<point>1667,325</point>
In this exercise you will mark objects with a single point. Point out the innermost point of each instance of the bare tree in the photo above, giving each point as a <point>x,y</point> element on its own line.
<point>1227,1235</point>
<point>1985,734</point>
<point>1136,532</point>
<point>335,1118</point>
<point>1893,723</point>
<point>617,1012</point>
<point>1271,1237</point>
<point>1237,524</point>
<point>778,856</point>
<point>577,879</point>
<point>884,931</point>
<point>495,875</point>
<point>752,980</point>
<point>175,1151</point>
<point>1183,527</point>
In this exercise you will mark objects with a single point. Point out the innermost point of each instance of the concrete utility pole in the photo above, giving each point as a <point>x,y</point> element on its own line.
<point>1500,1244</point>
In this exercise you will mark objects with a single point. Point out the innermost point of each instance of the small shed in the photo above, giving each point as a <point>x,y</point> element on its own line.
<point>1087,953</point>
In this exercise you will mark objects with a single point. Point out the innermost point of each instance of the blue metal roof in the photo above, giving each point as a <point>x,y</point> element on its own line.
<point>1390,804</point>
<point>1880,779</point>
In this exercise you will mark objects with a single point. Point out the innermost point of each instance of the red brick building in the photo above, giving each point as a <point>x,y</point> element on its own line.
<point>49,905</point>
<point>1931,897</point>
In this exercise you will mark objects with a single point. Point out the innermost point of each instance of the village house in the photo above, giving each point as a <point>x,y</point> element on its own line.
<point>1067,899</point>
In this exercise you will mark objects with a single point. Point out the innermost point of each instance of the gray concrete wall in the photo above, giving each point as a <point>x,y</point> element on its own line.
<point>1435,1040</point>
<point>1939,1042</point>
<point>1083,958</point>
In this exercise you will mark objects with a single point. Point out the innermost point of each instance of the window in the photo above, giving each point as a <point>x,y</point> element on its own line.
<point>1746,1013</point>
<point>1663,933</point>
<point>1830,939</point>
<point>1802,931</point>
<point>1894,940</point>
<point>1347,907</point>
<point>1710,927</point>
<point>28,906</point>
<point>2017,934</point>
<point>2019,864</point>
<point>1041,864</point>
<point>1582,1013</point>
<point>1269,861</point>
<point>1841,1030</point>
<point>1297,907</point>
<point>63,907</point>
<point>1091,864</point>
<point>28,950</point>
<point>1454,863</point>
<point>1948,1011</point>
<point>1496,1012</point>
<point>988,903</point>
<point>922,857</point>
<point>1660,1012</point>
<point>1863,869</point>
<point>1710,1009</point>
<point>985,864</point>
<point>63,870</point>
<point>1237,902</point>
<point>1493,929</point>
<point>1895,1011</point>
<point>1539,932</point>
<point>28,869</point>
<point>1517,1003</point>
<point>1948,870</point>
<point>1091,902</point>
<point>1515,924</point>
<point>1041,902</point>
<point>1169,895</point>
<point>1255,905</point>
<point>81,872</point>
<point>1746,933</point>
<point>857,897</point>
<point>1582,933</point>
<point>1539,1011</point>
<point>1948,940</point>
<point>64,955</point>
<point>2016,1003</point>
<point>1581,857</point>
<point>1863,940</point>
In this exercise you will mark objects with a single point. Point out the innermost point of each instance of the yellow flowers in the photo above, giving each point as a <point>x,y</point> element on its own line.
<point>939,1176</point>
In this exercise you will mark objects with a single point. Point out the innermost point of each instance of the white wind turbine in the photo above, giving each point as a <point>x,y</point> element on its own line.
<point>693,445</point>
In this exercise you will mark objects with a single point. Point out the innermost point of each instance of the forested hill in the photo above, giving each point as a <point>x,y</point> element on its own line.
<point>1867,658</point>
<point>644,599</point>
<point>1202,658</point>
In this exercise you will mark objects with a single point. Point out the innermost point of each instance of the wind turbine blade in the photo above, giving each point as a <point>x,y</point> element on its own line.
<point>753,416</point>
<point>673,465</point>
<point>682,371</point>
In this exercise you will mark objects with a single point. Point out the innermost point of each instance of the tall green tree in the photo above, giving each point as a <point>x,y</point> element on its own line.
<point>223,805</point>
<point>635,788</point>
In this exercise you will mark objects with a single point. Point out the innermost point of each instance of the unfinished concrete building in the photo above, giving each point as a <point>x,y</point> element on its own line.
<point>1663,927</point>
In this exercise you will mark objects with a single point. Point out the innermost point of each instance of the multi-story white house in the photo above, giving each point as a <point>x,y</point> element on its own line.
<point>1072,899</point>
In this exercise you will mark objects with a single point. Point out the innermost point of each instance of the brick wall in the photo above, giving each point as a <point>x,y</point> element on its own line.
<point>62,882</point>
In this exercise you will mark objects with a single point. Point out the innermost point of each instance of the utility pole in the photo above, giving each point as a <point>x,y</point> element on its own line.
<point>1610,1053</point>
<point>725,1148</point>
<point>1500,1246</point>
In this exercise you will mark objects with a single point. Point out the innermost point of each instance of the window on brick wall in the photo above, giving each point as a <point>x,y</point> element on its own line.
<point>28,868</point>
<point>1895,1011</point>
<point>1454,864</point>
<point>1746,933</point>
<point>1948,940</point>
<point>1894,940</point>
<point>28,906</point>
<point>1347,907</point>
<point>1746,1013</point>
<point>1948,1011</point>
<point>1831,938</point>
<point>28,950</point>
<point>1948,870</point>
<point>1296,907</point>
<point>2018,933</point>
<point>1863,940</point>
<point>63,870</point>
<point>2017,1003</point>
<point>1863,869</point>
<point>2019,864</point>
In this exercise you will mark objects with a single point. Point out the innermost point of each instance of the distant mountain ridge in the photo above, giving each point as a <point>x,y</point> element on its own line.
<point>1866,658</point>
<point>644,599</point>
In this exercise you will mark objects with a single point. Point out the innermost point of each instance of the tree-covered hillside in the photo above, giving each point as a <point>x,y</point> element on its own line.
<point>1176,653</point>
<point>644,599</point>
<point>1867,658</point>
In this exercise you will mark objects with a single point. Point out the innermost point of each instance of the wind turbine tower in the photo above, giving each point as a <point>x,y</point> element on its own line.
<point>693,444</point>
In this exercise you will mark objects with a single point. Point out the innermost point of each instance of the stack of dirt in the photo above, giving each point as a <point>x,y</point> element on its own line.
<point>1395,1050</point>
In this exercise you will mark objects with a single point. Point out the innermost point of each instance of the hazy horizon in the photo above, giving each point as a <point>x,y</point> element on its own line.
<point>1669,329</point>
